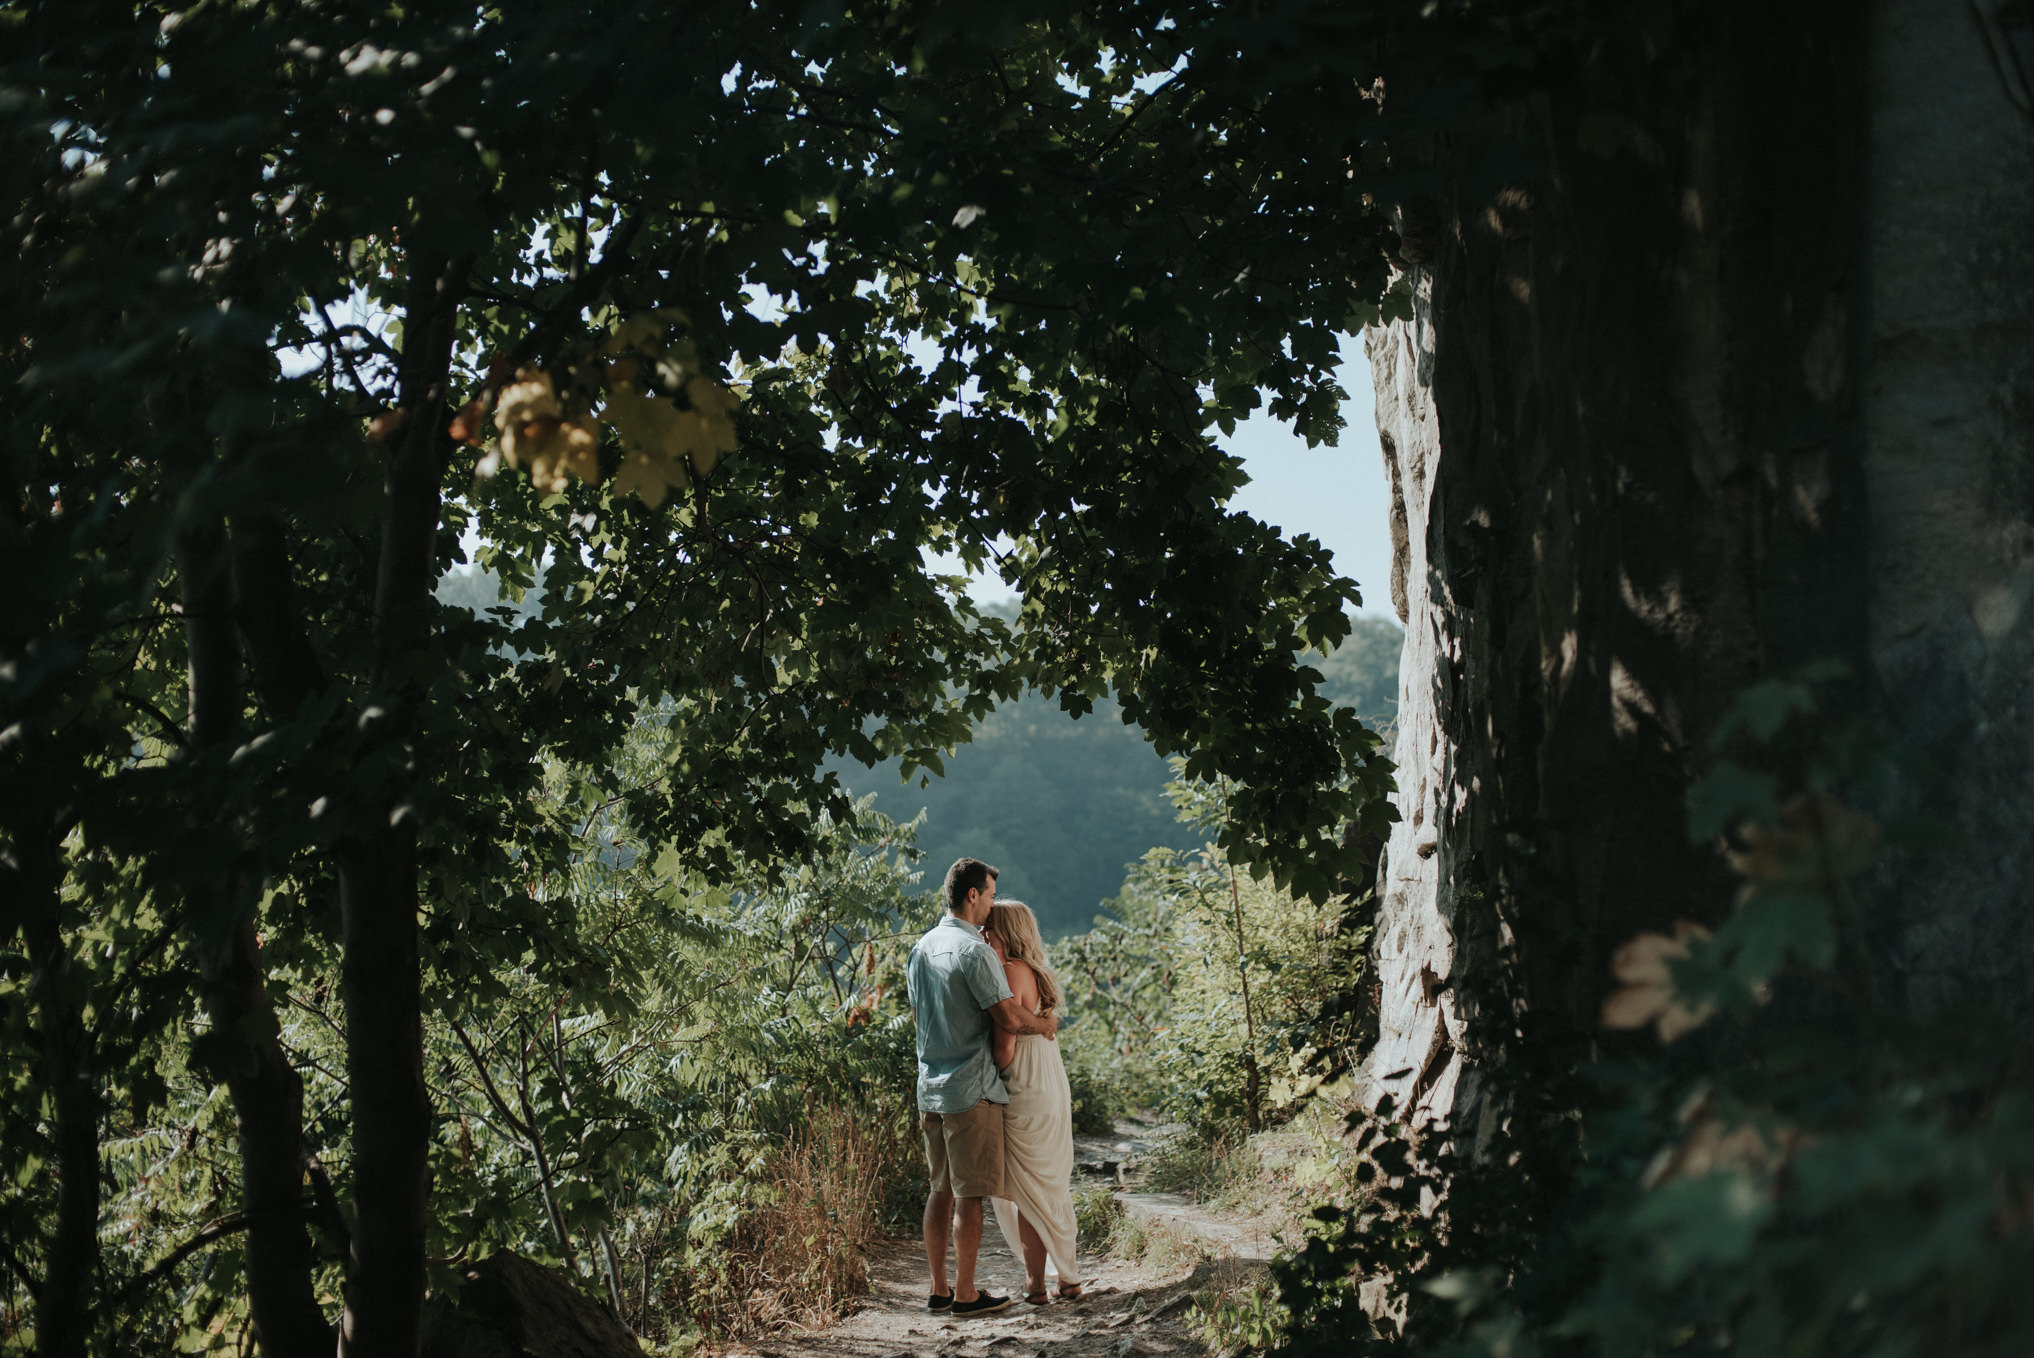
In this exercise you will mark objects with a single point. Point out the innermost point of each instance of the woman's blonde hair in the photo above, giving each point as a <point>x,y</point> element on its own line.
<point>1018,928</point>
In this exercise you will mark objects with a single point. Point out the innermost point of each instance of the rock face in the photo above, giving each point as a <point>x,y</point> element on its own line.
<point>1724,387</point>
<point>1418,1059</point>
<point>511,1308</point>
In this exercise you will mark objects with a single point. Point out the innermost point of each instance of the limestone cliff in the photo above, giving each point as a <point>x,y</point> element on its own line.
<point>1742,377</point>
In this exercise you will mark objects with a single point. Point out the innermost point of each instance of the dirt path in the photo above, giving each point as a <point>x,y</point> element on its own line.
<point>1129,1309</point>
<point>1126,1311</point>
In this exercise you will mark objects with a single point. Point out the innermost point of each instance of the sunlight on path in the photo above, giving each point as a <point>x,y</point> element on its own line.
<point>1126,1312</point>
<point>1129,1308</point>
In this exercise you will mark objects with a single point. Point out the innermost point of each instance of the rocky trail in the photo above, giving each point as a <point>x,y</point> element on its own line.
<point>1128,1309</point>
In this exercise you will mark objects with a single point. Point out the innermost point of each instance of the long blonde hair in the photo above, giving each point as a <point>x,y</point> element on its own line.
<point>1018,928</point>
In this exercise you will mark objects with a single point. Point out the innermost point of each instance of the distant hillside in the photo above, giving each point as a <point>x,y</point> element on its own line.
<point>1060,805</point>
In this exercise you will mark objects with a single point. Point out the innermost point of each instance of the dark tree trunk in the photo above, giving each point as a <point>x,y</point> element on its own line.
<point>1736,379</point>
<point>378,864</point>
<point>1626,438</point>
<point>391,1107</point>
<point>268,1095</point>
<point>63,1305</point>
<point>1950,433</point>
<point>268,1099</point>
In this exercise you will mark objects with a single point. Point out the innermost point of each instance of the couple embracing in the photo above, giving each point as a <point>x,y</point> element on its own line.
<point>992,1093</point>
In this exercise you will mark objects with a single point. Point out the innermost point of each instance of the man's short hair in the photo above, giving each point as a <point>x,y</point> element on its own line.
<point>967,874</point>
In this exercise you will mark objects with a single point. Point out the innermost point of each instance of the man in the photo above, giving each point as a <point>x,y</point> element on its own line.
<point>957,992</point>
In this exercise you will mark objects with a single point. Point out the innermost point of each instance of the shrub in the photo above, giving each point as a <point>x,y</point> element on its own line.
<point>1097,1101</point>
<point>790,1242</point>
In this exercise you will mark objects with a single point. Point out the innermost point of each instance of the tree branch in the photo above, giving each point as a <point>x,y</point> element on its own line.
<point>487,1083</point>
<point>170,730</point>
<point>212,1231</point>
<point>20,1271</point>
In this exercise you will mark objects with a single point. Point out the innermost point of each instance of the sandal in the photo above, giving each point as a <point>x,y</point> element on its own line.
<point>1071,1291</point>
<point>1036,1298</point>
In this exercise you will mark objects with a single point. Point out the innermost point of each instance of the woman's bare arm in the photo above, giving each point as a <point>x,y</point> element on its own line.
<point>1015,1015</point>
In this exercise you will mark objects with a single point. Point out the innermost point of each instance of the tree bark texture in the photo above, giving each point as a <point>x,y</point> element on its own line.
<point>1739,379</point>
<point>71,1261</point>
<point>378,866</point>
<point>1631,468</point>
<point>379,977</point>
<point>267,1092</point>
<point>1950,464</point>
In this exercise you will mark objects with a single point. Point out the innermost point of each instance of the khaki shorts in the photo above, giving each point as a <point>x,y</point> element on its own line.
<point>964,1151</point>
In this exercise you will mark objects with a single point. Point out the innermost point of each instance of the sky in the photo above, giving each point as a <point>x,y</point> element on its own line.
<point>1337,495</point>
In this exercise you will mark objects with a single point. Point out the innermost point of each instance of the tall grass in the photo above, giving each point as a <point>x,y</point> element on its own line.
<point>796,1253</point>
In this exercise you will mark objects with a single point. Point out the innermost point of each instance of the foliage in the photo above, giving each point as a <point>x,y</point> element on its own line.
<point>1362,674</point>
<point>1221,1167</point>
<point>1247,1032</point>
<point>1098,1101</point>
<point>1060,805</point>
<point>1107,1229</point>
<point>651,1126</point>
<point>1798,1164</point>
<point>1240,1316</point>
<point>1207,992</point>
<point>1064,805</point>
<point>306,298</point>
<point>1096,1212</point>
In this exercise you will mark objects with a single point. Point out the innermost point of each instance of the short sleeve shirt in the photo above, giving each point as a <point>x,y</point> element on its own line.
<point>953,978</point>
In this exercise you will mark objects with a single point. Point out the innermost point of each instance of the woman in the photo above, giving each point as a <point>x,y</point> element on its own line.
<point>1038,1217</point>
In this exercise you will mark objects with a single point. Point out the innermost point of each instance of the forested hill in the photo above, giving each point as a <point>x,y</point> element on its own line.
<point>1060,805</point>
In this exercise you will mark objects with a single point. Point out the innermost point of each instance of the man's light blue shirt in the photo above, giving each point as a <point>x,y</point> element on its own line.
<point>953,978</point>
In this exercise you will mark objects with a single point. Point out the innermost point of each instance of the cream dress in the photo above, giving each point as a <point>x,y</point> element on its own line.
<point>1038,1154</point>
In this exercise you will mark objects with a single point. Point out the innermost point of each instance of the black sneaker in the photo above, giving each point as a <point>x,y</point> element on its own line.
<point>981,1305</point>
<point>938,1303</point>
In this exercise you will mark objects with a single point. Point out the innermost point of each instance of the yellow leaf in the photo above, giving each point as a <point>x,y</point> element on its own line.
<point>554,449</point>
<point>1817,835</point>
<point>649,478</point>
<point>529,398</point>
<point>710,397</point>
<point>653,443</point>
<point>1647,993</point>
<point>645,423</point>
<point>711,431</point>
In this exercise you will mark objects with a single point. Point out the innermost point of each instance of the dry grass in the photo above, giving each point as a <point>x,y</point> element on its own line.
<point>798,1256</point>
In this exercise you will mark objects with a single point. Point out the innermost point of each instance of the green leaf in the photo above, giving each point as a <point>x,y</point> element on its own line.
<point>1728,794</point>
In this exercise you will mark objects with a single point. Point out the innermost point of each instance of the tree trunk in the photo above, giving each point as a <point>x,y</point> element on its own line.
<point>1740,379</point>
<point>268,1099</point>
<point>378,888</point>
<point>379,978</point>
<point>1949,414</point>
<point>63,1305</point>
<point>268,1094</point>
<point>1626,443</point>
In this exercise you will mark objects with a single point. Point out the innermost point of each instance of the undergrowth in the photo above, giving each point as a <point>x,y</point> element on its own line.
<point>794,1251</point>
<point>1106,1229</point>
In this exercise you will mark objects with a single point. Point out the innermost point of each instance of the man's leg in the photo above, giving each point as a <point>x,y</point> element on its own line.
<point>975,1165</point>
<point>967,1242</point>
<point>938,1232</point>
<point>939,1202</point>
